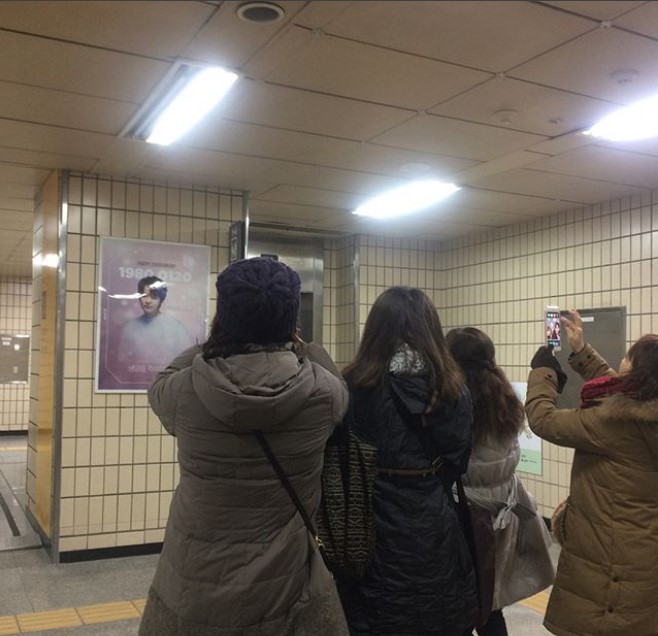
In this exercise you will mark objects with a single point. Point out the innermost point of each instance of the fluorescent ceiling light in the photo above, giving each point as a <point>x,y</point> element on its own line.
<point>406,199</point>
<point>196,99</point>
<point>638,121</point>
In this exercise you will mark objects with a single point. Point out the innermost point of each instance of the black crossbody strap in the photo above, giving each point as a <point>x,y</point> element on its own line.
<point>289,489</point>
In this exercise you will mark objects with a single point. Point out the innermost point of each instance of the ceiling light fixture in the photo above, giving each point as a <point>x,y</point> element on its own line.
<point>409,198</point>
<point>637,121</point>
<point>186,95</point>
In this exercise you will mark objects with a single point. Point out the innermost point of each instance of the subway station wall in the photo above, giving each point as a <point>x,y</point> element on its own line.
<point>15,318</point>
<point>118,468</point>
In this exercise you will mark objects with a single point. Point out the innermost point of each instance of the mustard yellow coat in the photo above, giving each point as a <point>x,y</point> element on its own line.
<point>607,575</point>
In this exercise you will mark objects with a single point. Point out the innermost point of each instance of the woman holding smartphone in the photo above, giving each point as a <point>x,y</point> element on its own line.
<point>608,567</point>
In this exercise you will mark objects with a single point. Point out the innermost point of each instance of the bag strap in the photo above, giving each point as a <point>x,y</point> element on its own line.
<point>283,478</point>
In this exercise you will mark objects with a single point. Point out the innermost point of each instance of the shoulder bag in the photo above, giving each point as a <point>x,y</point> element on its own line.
<point>345,533</point>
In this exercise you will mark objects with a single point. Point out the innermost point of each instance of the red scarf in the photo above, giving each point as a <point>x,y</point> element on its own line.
<point>593,390</point>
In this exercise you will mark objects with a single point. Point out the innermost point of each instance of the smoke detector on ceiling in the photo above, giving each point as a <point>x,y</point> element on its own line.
<point>624,76</point>
<point>506,115</point>
<point>260,12</point>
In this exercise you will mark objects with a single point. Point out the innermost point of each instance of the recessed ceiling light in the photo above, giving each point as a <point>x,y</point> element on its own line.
<point>637,121</point>
<point>409,198</point>
<point>260,12</point>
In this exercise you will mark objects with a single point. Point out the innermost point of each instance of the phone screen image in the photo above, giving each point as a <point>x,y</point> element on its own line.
<point>553,327</point>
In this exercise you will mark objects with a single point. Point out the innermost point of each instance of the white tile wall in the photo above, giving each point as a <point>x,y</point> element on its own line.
<point>119,467</point>
<point>15,318</point>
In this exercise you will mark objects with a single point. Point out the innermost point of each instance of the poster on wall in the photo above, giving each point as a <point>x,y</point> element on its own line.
<point>152,304</point>
<point>531,457</point>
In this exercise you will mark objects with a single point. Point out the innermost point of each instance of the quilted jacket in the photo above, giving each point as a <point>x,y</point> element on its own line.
<point>237,558</point>
<point>608,568</point>
<point>421,581</point>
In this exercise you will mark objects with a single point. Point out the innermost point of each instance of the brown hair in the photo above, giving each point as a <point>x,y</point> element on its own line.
<point>404,315</point>
<point>498,413</point>
<point>641,382</point>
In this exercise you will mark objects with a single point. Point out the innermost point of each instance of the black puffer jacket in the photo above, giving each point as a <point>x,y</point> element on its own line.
<point>421,581</point>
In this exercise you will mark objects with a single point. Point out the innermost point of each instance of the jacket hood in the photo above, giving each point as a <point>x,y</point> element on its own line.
<point>643,413</point>
<point>623,407</point>
<point>240,389</point>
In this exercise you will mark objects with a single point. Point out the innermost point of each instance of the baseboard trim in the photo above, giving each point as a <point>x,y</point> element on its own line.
<point>75,556</point>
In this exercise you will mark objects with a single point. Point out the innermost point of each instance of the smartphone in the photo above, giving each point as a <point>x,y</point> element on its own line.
<point>553,327</point>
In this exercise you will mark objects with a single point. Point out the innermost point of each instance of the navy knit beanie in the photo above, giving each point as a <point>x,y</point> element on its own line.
<point>257,301</point>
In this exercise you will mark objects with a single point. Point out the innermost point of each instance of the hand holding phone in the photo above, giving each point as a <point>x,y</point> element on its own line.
<point>574,329</point>
<point>553,327</point>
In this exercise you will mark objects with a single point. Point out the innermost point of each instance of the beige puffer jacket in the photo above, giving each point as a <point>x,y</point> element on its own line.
<point>608,569</point>
<point>237,558</point>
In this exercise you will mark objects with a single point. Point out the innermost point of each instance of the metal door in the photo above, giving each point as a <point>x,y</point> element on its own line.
<point>306,257</point>
<point>605,330</point>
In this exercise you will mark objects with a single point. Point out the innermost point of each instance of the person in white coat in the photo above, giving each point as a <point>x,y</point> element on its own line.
<point>523,562</point>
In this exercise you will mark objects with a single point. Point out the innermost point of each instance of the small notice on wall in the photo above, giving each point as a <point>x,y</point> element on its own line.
<point>531,458</point>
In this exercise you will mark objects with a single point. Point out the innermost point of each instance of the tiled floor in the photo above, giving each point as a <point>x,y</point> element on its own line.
<point>15,530</point>
<point>105,598</point>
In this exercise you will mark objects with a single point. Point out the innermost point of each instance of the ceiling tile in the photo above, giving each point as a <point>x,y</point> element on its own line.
<point>337,66</point>
<point>452,137</point>
<point>153,28</point>
<point>37,137</point>
<point>281,107</point>
<point>476,34</point>
<point>607,10</point>
<point>605,164</point>
<point>31,178</point>
<point>58,108</point>
<point>273,143</point>
<point>77,69</point>
<point>530,107</point>
<point>586,66</point>
<point>34,159</point>
<point>478,199</point>
<point>562,187</point>
<point>229,41</point>
<point>644,19</point>
<point>310,196</point>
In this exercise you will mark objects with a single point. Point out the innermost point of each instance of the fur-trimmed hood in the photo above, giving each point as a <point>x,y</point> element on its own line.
<point>623,407</point>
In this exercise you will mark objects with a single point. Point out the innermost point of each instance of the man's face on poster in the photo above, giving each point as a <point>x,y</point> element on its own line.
<point>150,302</point>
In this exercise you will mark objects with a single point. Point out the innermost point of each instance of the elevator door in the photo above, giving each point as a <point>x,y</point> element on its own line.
<point>306,257</point>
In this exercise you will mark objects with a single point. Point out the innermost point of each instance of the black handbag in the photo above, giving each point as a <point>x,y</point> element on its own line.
<point>345,533</point>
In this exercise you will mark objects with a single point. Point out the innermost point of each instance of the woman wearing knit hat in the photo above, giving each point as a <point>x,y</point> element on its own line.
<point>237,558</point>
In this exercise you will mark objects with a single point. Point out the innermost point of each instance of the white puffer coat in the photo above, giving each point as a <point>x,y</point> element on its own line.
<point>523,561</point>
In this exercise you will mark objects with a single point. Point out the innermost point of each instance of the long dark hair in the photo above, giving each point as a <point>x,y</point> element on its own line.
<point>498,413</point>
<point>641,381</point>
<point>218,345</point>
<point>404,315</point>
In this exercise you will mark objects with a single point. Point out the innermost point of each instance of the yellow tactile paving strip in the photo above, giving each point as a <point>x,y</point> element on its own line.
<point>71,617</point>
<point>123,610</point>
<point>538,602</point>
